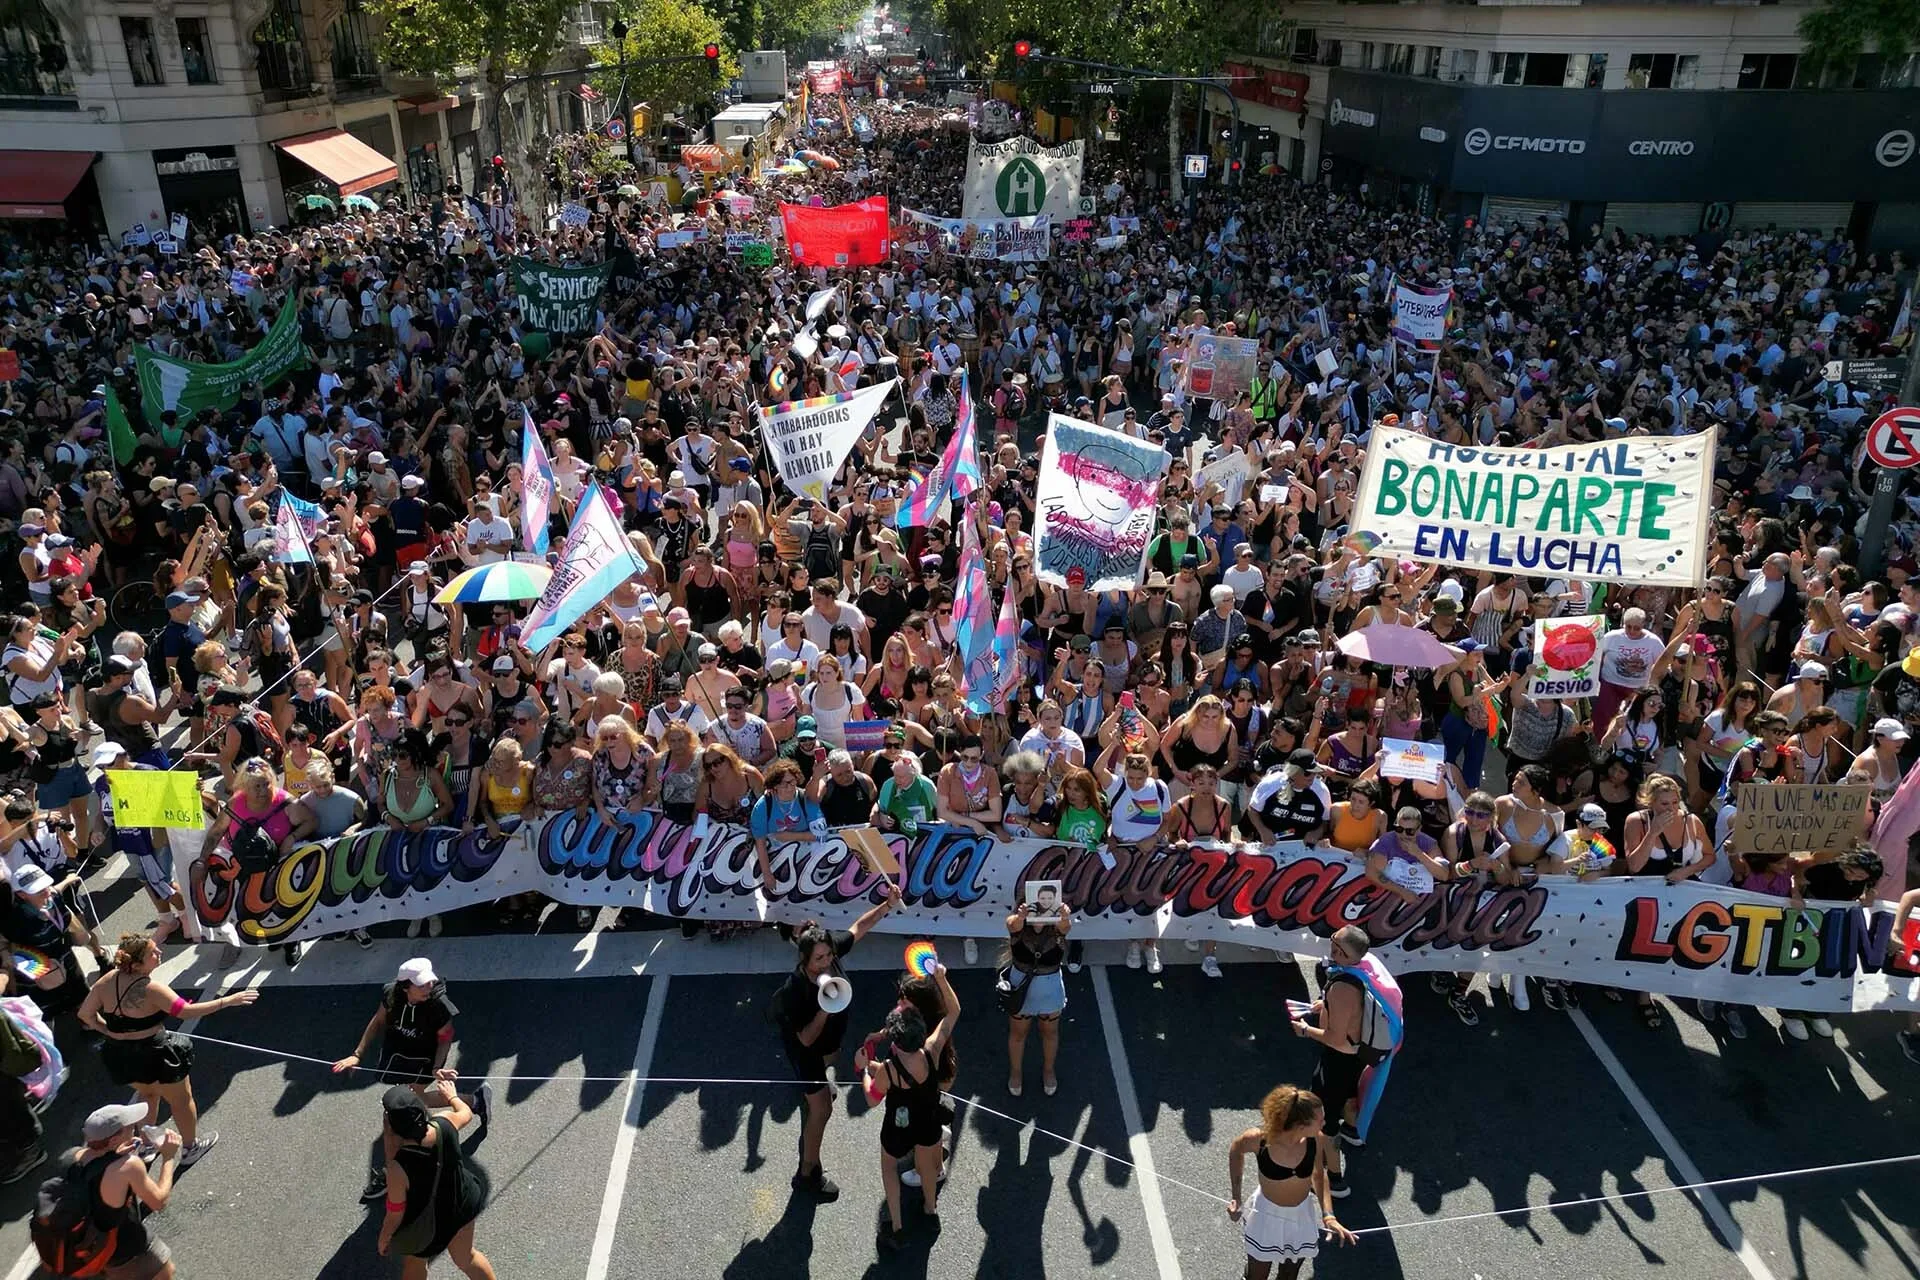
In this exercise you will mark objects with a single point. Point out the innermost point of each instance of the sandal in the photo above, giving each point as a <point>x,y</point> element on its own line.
<point>1613,994</point>
<point>1650,1014</point>
<point>1013,1088</point>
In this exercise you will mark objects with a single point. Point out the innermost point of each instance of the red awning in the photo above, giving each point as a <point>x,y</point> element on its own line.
<point>341,159</point>
<point>428,103</point>
<point>36,184</point>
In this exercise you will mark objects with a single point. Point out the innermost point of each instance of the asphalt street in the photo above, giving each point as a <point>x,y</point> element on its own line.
<point>686,1173</point>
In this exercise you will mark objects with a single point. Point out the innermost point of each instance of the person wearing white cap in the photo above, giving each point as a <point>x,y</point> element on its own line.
<point>1879,765</point>
<point>124,1192</point>
<point>130,1008</point>
<point>1807,690</point>
<point>414,1025</point>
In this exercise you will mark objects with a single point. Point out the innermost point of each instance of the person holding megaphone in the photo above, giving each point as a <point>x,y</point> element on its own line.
<point>811,1010</point>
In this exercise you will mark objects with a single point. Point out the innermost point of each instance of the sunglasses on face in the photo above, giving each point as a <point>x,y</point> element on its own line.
<point>1479,813</point>
<point>1407,831</point>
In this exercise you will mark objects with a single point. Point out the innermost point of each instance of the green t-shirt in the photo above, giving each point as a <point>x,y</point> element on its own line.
<point>911,808</point>
<point>1082,826</point>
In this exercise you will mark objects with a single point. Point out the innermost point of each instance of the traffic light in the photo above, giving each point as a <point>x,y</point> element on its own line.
<point>712,54</point>
<point>1023,49</point>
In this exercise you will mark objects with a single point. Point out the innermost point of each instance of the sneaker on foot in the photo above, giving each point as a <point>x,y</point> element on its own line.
<point>1153,959</point>
<point>1075,955</point>
<point>413,928</point>
<point>1440,984</point>
<point>203,1144</point>
<point>483,1105</point>
<point>822,1187</point>
<point>1709,1010</point>
<point>1821,1027</point>
<point>1909,1045</point>
<point>376,1188</point>
<point>1337,1185</point>
<point>1554,994</point>
<point>433,926</point>
<point>362,937</point>
<point>1133,955</point>
<point>1794,1028</point>
<point>294,951</point>
<point>1210,965</point>
<point>970,950</point>
<point>1350,1136</point>
<point>890,1240</point>
<point>1736,1025</point>
<point>1464,1010</point>
<point>1517,993</point>
<point>1571,994</point>
<point>27,1164</point>
<point>909,1177</point>
<point>1193,945</point>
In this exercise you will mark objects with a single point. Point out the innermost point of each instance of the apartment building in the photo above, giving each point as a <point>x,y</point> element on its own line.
<point>229,113</point>
<point>1676,118</point>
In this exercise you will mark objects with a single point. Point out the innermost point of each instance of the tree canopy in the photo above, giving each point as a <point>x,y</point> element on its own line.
<point>664,29</point>
<point>1838,31</point>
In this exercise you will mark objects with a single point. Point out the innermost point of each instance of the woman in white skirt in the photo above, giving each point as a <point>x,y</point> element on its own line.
<point>1293,1207</point>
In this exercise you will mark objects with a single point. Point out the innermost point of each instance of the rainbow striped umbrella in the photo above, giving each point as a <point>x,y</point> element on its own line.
<point>501,580</point>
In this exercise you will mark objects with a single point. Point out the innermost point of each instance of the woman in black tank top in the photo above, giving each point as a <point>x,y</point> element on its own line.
<point>911,1112</point>
<point>1292,1207</point>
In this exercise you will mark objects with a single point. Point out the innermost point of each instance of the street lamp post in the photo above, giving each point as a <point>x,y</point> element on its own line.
<point>620,97</point>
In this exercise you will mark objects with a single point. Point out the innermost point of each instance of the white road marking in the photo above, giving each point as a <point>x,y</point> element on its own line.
<point>1710,1202</point>
<point>601,1258</point>
<point>1165,1256</point>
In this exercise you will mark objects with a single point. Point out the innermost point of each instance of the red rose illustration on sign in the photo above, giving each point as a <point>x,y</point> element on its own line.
<point>1569,648</point>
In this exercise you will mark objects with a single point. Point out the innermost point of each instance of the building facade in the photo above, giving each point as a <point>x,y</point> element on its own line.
<point>1672,119</point>
<point>228,112</point>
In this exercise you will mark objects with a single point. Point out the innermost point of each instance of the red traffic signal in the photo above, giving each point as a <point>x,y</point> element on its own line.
<point>712,54</point>
<point>1022,48</point>
<point>1234,166</point>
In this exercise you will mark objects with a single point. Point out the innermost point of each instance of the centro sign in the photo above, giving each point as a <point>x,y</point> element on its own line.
<point>1339,112</point>
<point>1479,141</point>
<point>1661,147</point>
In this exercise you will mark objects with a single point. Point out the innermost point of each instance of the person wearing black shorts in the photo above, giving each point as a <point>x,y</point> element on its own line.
<point>812,1036</point>
<point>415,1026</point>
<point>911,1118</point>
<point>1335,1026</point>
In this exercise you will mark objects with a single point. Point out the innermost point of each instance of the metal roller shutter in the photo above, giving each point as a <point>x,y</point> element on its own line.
<point>1793,217</point>
<point>1656,219</point>
<point>1514,212</point>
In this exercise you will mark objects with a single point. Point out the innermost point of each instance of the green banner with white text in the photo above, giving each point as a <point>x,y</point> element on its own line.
<point>558,299</point>
<point>188,386</point>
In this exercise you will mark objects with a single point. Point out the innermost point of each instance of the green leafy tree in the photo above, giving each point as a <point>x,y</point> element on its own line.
<point>1839,31</point>
<point>505,39</point>
<point>657,31</point>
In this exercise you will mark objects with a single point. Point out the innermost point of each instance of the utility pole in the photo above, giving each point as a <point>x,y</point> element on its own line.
<point>1887,483</point>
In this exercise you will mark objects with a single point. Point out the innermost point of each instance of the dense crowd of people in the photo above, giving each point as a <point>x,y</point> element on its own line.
<point>1209,703</point>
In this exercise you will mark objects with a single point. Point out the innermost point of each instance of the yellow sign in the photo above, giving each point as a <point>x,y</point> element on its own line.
<point>156,798</point>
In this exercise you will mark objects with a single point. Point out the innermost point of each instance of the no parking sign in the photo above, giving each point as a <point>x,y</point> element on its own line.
<point>1893,440</point>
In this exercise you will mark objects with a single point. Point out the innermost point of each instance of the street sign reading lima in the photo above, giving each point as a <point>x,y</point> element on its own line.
<point>1105,88</point>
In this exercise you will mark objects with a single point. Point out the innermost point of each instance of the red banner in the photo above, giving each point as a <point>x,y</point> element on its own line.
<point>846,235</point>
<point>1268,86</point>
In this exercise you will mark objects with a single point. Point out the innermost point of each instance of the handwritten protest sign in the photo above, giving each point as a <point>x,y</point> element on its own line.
<point>1418,760</point>
<point>1795,818</point>
<point>155,798</point>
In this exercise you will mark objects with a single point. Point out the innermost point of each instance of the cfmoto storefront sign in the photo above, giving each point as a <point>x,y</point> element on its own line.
<point>1895,148</point>
<point>1480,141</point>
<point>1339,112</point>
<point>1660,147</point>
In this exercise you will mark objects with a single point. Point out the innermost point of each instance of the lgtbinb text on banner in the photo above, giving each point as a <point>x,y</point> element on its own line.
<point>1566,657</point>
<point>1634,509</point>
<point>1686,940</point>
<point>188,386</point>
<point>1020,178</point>
<point>597,559</point>
<point>1095,504</point>
<point>809,440</point>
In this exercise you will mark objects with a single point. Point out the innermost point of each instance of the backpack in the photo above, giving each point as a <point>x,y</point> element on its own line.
<point>252,848</point>
<point>266,741</point>
<point>70,1242</point>
<point>822,556</point>
<point>1376,1035</point>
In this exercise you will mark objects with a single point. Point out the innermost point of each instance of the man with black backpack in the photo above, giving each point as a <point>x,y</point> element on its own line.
<point>91,1218</point>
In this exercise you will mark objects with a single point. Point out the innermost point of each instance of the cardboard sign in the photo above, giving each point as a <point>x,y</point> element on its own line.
<point>875,854</point>
<point>1418,760</point>
<point>156,798</point>
<point>1798,818</point>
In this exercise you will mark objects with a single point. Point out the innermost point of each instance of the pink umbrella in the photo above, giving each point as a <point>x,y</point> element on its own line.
<point>1392,645</point>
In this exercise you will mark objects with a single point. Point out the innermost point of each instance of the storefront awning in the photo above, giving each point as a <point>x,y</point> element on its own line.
<point>341,159</point>
<point>428,103</point>
<point>36,184</point>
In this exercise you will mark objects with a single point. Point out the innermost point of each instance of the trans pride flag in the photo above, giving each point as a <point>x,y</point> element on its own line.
<point>956,476</point>
<point>536,485</point>
<point>973,621</point>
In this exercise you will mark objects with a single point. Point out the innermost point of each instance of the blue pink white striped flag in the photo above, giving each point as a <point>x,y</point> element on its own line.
<point>958,472</point>
<point>973,621</point>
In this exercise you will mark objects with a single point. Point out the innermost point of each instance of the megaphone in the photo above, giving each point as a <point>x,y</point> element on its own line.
<point>836,993</point>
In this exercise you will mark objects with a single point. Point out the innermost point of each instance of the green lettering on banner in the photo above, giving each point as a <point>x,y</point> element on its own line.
<point>756,254</point>
<point>1393,495</point>
<point>188,386</point>
<point>1653,508</point>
